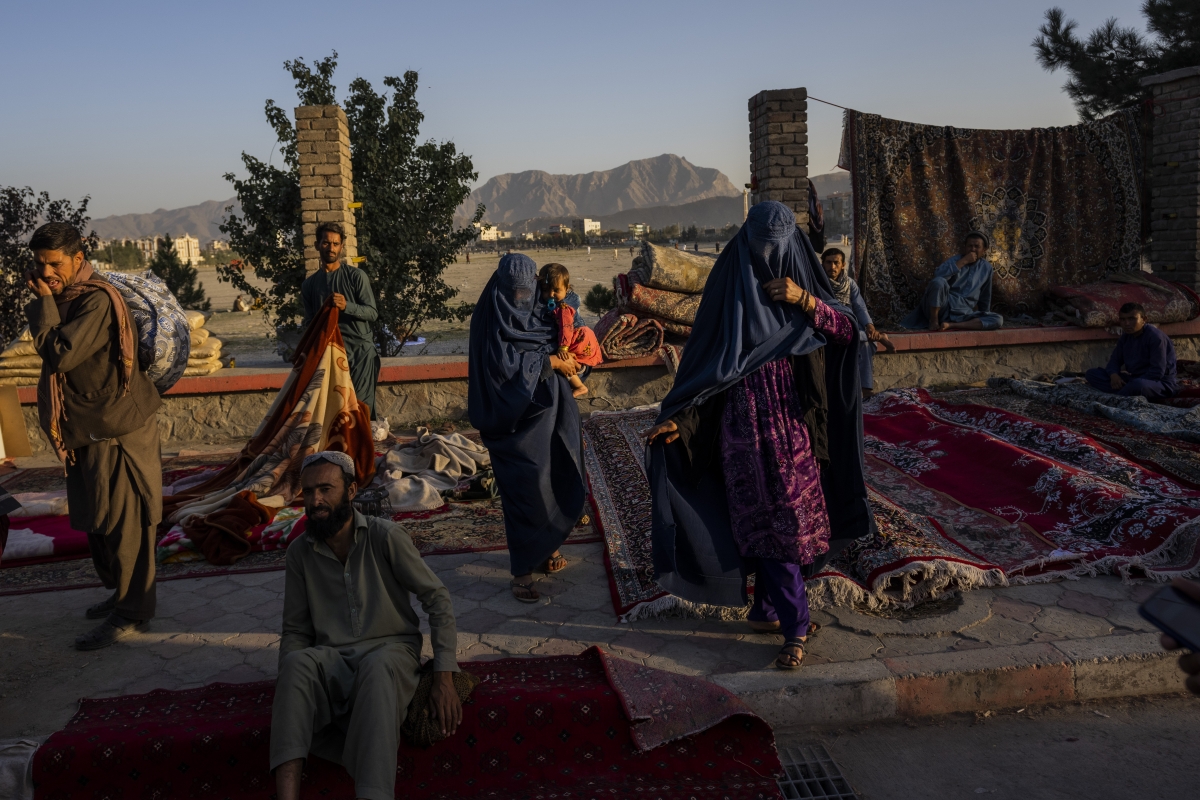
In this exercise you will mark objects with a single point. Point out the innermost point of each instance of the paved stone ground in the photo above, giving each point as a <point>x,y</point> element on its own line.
<point>226,628</point>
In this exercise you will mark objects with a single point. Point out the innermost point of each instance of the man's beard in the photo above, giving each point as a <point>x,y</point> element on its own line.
<point>321,528</point>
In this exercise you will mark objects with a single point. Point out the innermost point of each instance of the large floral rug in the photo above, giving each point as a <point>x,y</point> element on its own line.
<point>964,496</point>
<point>910,558</point>
<point>585,726</point>
<point>1061,206</point>
<point>1084,509</point>
<point>1177,459</point>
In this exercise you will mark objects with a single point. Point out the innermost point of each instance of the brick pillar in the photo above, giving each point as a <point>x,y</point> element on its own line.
<point>779,149</point>
<point>1175,175</point>
<point>326,180</point>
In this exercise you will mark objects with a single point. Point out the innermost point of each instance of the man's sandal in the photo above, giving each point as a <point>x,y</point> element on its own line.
<point>524,591</point>
<point>785,659</point>
<point>554,564</point>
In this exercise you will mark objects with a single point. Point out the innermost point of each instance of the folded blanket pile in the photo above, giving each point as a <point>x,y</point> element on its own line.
<point>20,364</point>
<point>417,473</point>
<point>658,296</point>
<point>1096,305</point>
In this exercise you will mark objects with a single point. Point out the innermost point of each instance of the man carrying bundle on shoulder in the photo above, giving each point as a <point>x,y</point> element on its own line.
<point>98,410</point>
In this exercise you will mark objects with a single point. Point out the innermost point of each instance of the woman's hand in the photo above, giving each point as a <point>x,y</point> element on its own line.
<point>785,290</point>
<point>568,367</point>
<point>668,429</point>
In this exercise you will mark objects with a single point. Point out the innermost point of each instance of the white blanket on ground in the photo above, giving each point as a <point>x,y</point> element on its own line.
<point>417,473</point>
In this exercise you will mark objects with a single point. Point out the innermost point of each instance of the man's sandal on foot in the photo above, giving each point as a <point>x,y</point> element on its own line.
<point>524,591</point>
<point>109,632</point>
<point>786,660</point>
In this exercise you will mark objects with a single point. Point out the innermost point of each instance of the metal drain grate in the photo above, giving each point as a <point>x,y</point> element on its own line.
<point>810,772</point>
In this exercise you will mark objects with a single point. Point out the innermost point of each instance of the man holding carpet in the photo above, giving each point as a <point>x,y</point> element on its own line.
<point>97,409</point>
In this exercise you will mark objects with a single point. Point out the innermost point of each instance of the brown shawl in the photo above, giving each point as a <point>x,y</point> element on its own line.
<point>51,409</point>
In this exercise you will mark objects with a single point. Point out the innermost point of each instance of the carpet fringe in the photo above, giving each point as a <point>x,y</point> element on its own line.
<point>918,582</point>
<point>670,606</point>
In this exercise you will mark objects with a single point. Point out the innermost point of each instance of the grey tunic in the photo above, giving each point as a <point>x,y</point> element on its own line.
<point>350,651</point>
<point>354,322</point>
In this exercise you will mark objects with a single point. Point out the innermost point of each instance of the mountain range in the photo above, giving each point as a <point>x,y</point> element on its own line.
<point>661,191</point>
<point>664,180</point>
<point>201,221</point>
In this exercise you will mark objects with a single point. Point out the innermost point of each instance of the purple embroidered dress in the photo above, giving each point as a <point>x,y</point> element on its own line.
<point>773,484</point>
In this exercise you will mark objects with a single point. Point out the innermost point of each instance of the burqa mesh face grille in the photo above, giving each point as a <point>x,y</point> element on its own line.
<point>810,772</point>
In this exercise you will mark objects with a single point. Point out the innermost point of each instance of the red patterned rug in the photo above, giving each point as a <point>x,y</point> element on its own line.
<point>581,727</point>
<point>1083,508</point>
<point>912,557</point>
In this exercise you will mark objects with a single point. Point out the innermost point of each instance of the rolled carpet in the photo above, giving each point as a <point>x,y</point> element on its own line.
<point>673,270</point>
<point>622,335</point>
<point>672,306</point>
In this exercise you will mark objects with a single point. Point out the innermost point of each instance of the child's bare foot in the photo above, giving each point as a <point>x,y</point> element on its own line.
<point>579,392</point>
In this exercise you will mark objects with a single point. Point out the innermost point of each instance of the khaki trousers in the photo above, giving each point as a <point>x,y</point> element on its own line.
<point>346,706</point>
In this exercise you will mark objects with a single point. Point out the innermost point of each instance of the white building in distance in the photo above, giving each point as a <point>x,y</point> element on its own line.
<point>637,229</point>
<point>586,226</point>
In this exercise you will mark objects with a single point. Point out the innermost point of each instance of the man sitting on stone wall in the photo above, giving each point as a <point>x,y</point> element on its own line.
<point>350,653</point>
<point>351,291</point>
<point>1143,362</point>
<point>959,297</point>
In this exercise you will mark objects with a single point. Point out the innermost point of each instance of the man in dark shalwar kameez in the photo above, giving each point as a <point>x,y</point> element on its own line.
<point>351,291</point>
<point>98,410</point>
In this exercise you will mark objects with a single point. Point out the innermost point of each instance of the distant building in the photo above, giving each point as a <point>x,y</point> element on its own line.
<point>219,245</point>
<point>637,229</point>
<point>147,246</point>
<point>187,248</point>
<point>560,228</point>
<point>839,214</point>
<point>528,237</point>
<point>488,234</point>
<point>586,227</point>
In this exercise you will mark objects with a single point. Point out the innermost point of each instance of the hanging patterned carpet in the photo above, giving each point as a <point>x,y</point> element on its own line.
<point>579,727</point>
<point>1061,206</point>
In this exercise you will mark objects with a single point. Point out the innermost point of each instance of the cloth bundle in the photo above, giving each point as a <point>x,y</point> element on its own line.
<point>417,473</point>
<point>622,335</point>
<point>1096,305</point>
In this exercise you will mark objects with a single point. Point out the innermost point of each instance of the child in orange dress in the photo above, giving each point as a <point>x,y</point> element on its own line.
<point>579,341</point>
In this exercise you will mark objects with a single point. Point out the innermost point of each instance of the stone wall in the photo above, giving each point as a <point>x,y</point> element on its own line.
<point>1175,175</point>
<point>230,419</point>
<point>326,178</point>
<point>779,149</point>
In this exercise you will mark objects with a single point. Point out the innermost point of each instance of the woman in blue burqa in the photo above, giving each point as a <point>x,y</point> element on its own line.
<point>756,462</point>
<point>519,399</point>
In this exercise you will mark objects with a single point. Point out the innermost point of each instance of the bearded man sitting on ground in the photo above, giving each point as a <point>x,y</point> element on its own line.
<point>350,654</point>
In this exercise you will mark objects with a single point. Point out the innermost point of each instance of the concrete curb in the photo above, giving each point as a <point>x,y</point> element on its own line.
<point>971,680</point>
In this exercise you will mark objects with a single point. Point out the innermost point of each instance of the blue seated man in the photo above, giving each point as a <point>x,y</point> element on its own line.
<point>1143,362</point>
<point>959,296</point>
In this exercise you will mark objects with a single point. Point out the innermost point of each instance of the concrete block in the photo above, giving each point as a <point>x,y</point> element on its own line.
<point>1127,677</point>
<point>324,124</point>
<point>309,112</point>
<point>922,696</point>
<point>816,694</point>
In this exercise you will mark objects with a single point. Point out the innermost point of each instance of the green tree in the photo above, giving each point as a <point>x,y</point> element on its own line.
<point>1107,67</point>
<point>179,277</point>
<point>409,190</point>
<point>122,255</point>
<point>21,211</point>
<point>600,299</point>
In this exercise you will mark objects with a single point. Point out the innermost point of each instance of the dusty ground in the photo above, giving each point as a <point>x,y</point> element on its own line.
<point>247,336</point>
<point>1138,748</point>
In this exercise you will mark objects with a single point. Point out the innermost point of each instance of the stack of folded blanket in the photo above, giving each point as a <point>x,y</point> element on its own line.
<point>656,302</point>
<point>1096,305</point>
<point>20,364</point>
<point>205,357</point>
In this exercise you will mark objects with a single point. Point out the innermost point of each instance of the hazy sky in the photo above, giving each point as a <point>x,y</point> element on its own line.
<point>144,105</point>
